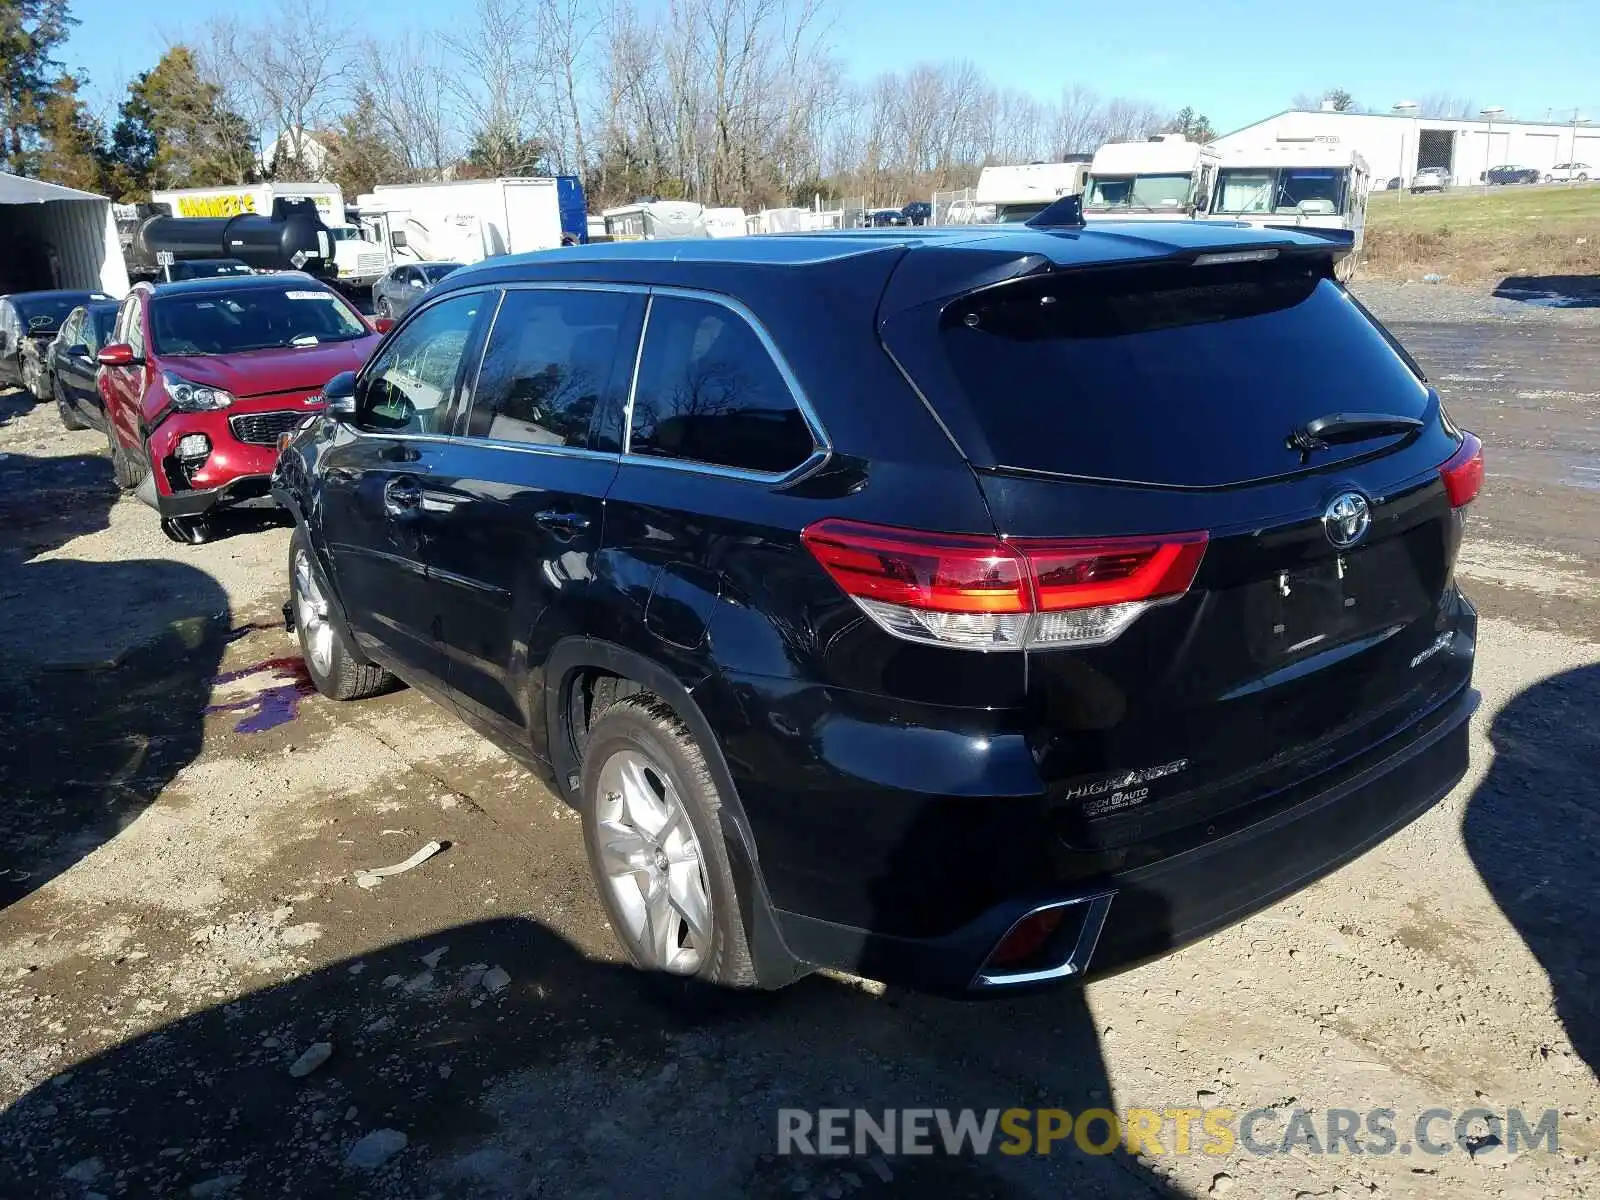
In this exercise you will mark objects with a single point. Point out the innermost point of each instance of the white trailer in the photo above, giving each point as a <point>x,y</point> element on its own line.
<point>652,219</point>
<point>726,222</point>
<point>1013,194</point>
<point>55,237</point>
<point>466,221</point>
<point>1167,178</point>
<point>1295,182</point>
<point>360,261</point>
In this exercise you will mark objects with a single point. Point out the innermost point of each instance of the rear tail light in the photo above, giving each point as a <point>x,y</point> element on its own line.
<point>987,593</point>
<point>1462,472</point>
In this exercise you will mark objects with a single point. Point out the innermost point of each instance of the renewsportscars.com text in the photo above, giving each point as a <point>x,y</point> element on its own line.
<point>841,1132</point>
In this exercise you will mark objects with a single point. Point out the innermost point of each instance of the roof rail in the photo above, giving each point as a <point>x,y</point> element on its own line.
<point>1065,213</point>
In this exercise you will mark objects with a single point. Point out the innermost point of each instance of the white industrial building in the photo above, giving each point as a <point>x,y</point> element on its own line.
<point>1399,144</point>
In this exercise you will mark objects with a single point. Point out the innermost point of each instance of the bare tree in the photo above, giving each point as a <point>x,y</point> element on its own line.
<point>409,82</point>
<point>291,71</point>
<point>498,83</point>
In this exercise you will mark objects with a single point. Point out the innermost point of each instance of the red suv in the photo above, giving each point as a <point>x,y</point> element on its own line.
<point>201,377</point>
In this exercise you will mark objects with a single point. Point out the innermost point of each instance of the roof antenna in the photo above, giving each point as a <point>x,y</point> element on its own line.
<point>1065,213</point>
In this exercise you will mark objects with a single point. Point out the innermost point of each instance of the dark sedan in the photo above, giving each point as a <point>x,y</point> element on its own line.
<point>402,287</point>
<point>32,317</point>
<point>1510,174</point>
<point>70,367</point>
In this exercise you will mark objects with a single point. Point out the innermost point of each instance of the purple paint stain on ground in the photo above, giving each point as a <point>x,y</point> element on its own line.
<point>272,706</point>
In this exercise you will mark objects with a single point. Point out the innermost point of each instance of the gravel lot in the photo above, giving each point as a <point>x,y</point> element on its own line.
<point>181,826</point>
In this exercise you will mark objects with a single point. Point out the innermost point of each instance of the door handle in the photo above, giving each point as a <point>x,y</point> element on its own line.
<point>399,452</point>
<point>564,525</point>
<point>402,498</point>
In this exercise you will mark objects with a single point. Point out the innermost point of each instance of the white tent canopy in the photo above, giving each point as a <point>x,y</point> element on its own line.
<point>57,237</point>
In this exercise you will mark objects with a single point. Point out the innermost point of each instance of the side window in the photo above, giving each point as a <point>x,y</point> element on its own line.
<point>71,333</point>
<point>119,331</point>
<point>549,365</point>
<point>408,388</point>
<point>709,392</point>
<point>135,330</point>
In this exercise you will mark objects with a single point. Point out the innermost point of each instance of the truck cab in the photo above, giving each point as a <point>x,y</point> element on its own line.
<point>1167,178</point>
<point>1308,185</point>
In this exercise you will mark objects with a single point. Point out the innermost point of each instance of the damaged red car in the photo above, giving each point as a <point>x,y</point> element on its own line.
<point>201,377</point>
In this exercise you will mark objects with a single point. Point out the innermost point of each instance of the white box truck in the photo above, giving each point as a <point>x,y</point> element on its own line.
<point>360,262</point>
<point>474,219</point>
<point>1167,178</point>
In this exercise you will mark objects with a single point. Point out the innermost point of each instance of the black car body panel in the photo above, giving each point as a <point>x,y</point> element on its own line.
<point>28,320</point>
<point>893,806</point>
<point>69,359</point>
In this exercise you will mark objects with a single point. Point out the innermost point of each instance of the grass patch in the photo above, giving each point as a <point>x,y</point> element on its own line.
<point>1473,236</point>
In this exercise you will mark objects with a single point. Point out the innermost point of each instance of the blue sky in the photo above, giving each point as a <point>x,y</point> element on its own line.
<point>1234,60</point>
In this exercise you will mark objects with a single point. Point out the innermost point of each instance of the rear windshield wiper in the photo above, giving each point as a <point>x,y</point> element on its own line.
<point>1321,432</point>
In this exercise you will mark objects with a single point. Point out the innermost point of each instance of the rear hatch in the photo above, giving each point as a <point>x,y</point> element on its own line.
<point>1182,398</point>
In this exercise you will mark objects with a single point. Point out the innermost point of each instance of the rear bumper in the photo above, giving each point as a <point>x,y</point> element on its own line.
<point>1128,916</point>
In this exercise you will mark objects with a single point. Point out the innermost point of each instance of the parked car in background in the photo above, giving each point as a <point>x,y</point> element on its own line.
<point>394,294</point>
<point>847,650</point>
<point>206,268</point>
<point>1509,174</point>
<point>1431,179</point>
<point>918,212</point>
<point>200,377</point>
<point>884,218</point>
<point>1569,172</point>
<point>71,368</point>
<point>28,321</point>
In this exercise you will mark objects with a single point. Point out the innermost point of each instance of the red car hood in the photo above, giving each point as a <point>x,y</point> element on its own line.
<point>265,372</point>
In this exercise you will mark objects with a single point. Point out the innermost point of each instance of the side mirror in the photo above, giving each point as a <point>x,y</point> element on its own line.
<point>397,239</point>
<point>78,351</point>
<point>117,354</point>
<point>383,324</point>
<point>340,395</point>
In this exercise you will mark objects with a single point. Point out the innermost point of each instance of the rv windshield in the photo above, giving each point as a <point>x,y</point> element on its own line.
<point>1137,193</point>
<point>1282,190</point>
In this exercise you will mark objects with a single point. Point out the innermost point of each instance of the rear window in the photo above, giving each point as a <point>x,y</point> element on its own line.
<point>1185,376</point>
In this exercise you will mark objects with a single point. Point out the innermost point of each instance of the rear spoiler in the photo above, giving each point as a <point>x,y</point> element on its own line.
<point>1340,241</point>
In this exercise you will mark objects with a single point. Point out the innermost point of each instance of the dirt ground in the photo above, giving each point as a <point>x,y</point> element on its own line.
<point>181,826</point>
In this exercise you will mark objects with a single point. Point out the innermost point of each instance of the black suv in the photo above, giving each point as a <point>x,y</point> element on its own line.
<point>967,608</point>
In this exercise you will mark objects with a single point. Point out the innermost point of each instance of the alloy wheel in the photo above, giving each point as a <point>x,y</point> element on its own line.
<point>311,615</point>
<point>651,862</point>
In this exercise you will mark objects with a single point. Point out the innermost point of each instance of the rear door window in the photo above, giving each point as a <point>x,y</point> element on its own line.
<point>709,392</point>
<point>1188,376</point>
<point>551,367</point>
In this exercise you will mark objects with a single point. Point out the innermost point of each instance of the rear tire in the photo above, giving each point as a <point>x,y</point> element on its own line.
<point>651,826</point>
<point>383,308</point>
<point>69,415</point>
<point>333,668</point>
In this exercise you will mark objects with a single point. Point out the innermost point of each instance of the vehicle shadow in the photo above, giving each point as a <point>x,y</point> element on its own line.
<point>104,671</point>
<point>1551,291</point>
<point>1533,831</point>
<point>15,403</point>
<point>572,1078</point>
<point>45,501</point>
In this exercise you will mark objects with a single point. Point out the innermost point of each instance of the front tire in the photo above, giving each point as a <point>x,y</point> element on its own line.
<point>383,308</point>
<point>333,667</point>
<point>187,531</point>
<point>654,836</point>
<point>128,469</point>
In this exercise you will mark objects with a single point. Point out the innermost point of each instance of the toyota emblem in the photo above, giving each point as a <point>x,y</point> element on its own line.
<point>1347,520</point>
